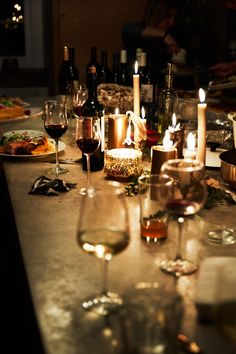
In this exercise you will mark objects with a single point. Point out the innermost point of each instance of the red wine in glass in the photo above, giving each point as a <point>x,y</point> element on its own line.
<point>55,131</point>
<point>87,137</point>
<point>55,124</point>
<point>88,146</point>
<point>77,110</point>
<point>182,207</point>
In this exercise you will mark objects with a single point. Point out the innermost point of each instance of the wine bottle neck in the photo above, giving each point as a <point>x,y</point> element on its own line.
<point>169,81</point>
<point>92,86</point>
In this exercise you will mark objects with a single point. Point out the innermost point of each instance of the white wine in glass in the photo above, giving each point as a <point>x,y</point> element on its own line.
<point>103,232</point>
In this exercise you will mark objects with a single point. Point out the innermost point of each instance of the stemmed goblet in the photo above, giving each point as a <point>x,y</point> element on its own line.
<point>80,96</point>
<point>55,124</point>
<point>88,137</point>
<point>103,232</point>
<point>190,193</point>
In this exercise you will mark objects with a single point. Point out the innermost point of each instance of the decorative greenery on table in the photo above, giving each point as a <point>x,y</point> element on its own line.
<point>216,194</point>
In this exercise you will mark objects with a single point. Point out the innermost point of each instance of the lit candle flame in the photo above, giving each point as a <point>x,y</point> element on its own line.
<point>136,67</point>
<point>202,95</point>
<point>116,111</point>
<point>167,143</point>
<point>143,112</point>
<point>191,141</point>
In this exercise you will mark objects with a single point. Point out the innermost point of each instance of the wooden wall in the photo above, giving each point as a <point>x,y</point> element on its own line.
<point>85,23</point>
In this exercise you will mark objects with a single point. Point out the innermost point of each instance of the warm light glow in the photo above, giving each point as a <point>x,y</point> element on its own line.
<point>202,95</point>
<point>136,67</point>
<point>124,153</point>
<point>17,7</point>
<point>174,120</point>
<point>167,143</point>
<point>191,141</point>
<point>142,112</point>
<point>116,111</point>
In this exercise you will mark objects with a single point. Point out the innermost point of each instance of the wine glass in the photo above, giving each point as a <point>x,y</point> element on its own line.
<point>190,193</point>
<point>80,96</point>
<point>88,137</point>
<point>55,124</point>
<point>103,232</point>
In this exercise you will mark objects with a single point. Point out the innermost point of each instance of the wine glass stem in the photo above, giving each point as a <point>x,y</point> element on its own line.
<point>180,232</point>
<point>104,277</point>
<point>88,170</point>
<point>57,161</point>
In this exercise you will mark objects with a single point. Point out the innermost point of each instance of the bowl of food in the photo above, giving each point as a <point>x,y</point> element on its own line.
<point>228,167</point>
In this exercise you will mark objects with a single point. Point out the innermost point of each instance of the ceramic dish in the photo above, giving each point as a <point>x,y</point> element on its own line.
<point>32,134</point>
<point>34,113</point>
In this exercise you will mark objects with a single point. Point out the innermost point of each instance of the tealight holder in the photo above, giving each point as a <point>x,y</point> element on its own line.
<point>123,163</point>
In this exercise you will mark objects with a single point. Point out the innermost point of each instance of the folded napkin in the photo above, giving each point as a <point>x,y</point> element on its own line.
<point>48,186</point>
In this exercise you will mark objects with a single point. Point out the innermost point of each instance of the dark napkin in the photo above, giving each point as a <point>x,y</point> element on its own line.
<point>48,186</point>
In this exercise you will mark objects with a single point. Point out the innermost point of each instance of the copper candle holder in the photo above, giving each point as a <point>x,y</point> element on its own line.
<point>117,130</point>
<point>159,155</point>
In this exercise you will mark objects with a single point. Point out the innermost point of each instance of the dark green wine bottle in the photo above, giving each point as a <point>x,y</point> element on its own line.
<point>93,108</point>
<point>68,75</point>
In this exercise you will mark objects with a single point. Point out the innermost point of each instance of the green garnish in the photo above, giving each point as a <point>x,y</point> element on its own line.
<point>215,195</point>
<point>14,137</point>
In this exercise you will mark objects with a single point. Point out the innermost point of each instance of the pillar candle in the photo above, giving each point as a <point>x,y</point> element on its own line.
<point>136,89</point>
<point>190,152</point>
<point>201,138</point>
<point>162,153</point>
<point>117,130</point>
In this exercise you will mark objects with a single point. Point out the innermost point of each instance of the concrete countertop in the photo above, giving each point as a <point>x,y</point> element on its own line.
<point>60,274</point>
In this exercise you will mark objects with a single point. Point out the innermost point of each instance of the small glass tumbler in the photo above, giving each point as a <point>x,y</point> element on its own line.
<point>153,193</point>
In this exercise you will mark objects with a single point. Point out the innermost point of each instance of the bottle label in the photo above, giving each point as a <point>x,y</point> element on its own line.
<point>88,128</point>
<point>147,93</point>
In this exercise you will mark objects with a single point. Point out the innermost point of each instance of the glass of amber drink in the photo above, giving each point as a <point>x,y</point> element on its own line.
<point>154,191</point>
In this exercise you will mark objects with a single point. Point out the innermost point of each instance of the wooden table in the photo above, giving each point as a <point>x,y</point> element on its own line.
<point>42,262</point>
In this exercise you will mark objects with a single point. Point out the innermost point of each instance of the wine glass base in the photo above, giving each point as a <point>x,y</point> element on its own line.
<point>103,304</point>
<point>57,170</point>
<point>224,236</point>
<point>87,190</point>
<point>178,267</point>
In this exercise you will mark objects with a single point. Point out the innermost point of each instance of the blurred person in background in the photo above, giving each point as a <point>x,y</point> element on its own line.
<point>154,35</point>
<point>224,69</point>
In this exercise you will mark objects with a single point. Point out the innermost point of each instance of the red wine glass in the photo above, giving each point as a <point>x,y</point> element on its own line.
<point>190,193</point>
<point>55,124</point>
<point>88,138</point>
<point>80,96</point>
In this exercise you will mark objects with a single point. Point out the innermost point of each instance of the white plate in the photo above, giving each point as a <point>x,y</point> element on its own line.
<point>212,158</point>
<point>34,112</point>
<point>32,134</point>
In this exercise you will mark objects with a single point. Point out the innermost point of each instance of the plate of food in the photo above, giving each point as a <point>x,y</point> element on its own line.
<point>223,84</point>
<point>27,144</point>
<point>13,108</point>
